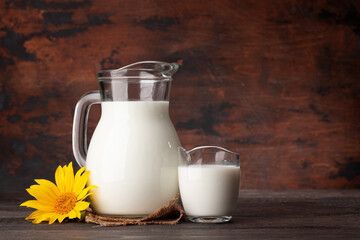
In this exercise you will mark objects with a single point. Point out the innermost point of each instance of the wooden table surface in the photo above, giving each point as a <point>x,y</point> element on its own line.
<point>311,214</point>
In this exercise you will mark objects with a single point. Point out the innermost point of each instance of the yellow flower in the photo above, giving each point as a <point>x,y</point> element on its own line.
<point>65,199</point>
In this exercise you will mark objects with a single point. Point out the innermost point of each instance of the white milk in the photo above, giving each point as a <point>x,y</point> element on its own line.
<point>209,190</point>
<point>132,158</point>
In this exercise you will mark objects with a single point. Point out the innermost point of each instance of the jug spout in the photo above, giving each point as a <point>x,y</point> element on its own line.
<point>141,81</point>
<point>184,156</point>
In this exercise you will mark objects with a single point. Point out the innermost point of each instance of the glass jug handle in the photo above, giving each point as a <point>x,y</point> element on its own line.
<point>79,132</point>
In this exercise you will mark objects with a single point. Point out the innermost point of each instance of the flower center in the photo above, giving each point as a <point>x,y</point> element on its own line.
<point>65,203</point>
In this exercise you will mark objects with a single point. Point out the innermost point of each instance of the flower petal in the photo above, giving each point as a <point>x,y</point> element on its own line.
<point>77,189</point>
<point>44,217</point>
<point>79,172</point>
<point>85,196</point>
<point>48,184</point>
<point>72,214</point>
<point>35,214</point>
<point>37,205</point>
<point>62,217</point>
<point>69,178</point>
<point>81,182</point>
<point>81,206</point>
<point>52,220</point>
<point>40,194</point>
<point>85,191</point>
<point>60,179</point>
<point>45,190</point>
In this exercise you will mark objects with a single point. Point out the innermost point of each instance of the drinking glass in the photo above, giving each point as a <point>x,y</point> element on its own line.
<point>209,181</point>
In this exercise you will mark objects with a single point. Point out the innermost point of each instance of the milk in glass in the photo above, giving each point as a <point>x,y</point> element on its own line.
<point>209,190</point>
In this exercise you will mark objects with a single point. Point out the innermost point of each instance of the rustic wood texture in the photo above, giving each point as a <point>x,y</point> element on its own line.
<point>276,81</point>
<point>314,214</point>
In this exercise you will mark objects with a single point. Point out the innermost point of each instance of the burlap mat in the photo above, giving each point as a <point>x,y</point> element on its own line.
<point>169,214</point>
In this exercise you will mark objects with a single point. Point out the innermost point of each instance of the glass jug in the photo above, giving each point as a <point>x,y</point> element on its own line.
<point>132,155</point>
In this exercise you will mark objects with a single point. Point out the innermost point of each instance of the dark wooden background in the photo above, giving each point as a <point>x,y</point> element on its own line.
<point>276,81</point>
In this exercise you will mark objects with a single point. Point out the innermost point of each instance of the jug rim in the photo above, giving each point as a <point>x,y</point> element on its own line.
<point>154,71</point>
